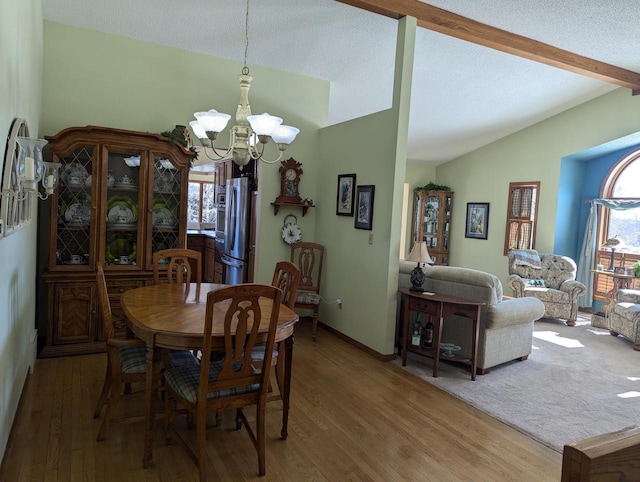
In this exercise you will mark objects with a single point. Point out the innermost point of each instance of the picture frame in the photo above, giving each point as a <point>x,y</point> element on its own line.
<point>364,207</point>
<point>346,194</point>
<point>477,225</point>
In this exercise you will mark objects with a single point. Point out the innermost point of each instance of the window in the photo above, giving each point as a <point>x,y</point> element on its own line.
<point>621,183</point>
<point>201,202</point>
<point>522,216</point>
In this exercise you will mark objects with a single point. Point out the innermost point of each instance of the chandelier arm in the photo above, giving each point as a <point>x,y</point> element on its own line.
<point>218,155</point>
<point>274,161</point>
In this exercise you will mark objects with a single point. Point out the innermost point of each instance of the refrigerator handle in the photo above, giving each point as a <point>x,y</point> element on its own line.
<point>230,262</point>
<point>232,228</point>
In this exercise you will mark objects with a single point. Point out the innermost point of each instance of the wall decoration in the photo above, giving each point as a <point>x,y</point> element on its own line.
<point>477,220</point>
<point>346,194</point>
<point>15,210</point>
<point>364,207</point>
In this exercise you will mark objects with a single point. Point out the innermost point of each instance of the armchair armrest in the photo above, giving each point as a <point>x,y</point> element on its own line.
<point>628,296</point>
<point>514,312</point>
<point>516,283</point>
<point>573,288</point>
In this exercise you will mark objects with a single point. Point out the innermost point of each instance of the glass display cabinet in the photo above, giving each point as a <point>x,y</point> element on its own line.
<point>122,196</point>
<point>432,222</point>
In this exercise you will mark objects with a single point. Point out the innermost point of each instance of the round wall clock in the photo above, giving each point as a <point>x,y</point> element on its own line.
<point>290,172</point>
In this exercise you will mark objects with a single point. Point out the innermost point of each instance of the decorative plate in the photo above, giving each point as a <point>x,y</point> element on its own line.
<point>291,232</point>
<point>163,217</point>
<point>120,214</point>
<point>78,213</point>
<point>121,201</point>
<point>121,244</point>
<point>74,174</point>
<point>133,161</point>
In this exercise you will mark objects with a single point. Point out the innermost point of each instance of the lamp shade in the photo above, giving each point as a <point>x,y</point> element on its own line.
<point>212,120</point>
<point>419,253</point>
<point>285,134</point>
<point>264,124</point>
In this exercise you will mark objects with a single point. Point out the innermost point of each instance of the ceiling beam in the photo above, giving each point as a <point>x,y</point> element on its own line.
<point>454,25</point>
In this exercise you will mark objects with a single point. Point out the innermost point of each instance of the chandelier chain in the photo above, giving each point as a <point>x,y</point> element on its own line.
<point>245,69</point>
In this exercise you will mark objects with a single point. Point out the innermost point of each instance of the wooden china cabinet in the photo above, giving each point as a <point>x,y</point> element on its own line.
<point>432,222</point>
<point>122,196</point>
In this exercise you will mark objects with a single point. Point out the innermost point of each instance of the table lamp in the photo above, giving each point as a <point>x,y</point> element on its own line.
<point>611,243</point>
<point>420,254</point>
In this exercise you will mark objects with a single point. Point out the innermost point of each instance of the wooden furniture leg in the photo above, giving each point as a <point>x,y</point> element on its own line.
<point>286,386</point>
<point>154,357</point>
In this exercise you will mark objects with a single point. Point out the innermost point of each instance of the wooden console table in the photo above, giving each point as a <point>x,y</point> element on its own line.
<point>440,306</point>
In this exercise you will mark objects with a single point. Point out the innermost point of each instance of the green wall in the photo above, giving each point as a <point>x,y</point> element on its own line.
<point>20,84</point>
<point>94,78</point>
<point>533,154</point>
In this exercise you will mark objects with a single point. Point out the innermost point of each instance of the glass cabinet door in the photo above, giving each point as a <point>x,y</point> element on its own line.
<point>431,211</point>
<point>165,205</point>
<point>75,216</point>
<point>122,183</point>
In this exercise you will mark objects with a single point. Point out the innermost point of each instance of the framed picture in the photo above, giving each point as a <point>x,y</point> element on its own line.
<point>364,207</point>
<point>477,220</point>
<point>346,194</point>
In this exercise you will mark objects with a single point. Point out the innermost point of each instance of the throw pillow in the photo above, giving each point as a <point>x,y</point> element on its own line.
<point>526,257</point>
<point>534,283</point>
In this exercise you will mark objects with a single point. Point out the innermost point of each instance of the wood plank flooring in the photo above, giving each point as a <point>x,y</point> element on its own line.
<point>352,418</point>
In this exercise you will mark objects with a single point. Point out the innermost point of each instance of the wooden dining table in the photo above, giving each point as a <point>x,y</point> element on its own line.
<point>172,317</point>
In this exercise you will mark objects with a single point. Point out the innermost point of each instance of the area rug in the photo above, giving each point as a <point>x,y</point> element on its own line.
<point>577,383</point>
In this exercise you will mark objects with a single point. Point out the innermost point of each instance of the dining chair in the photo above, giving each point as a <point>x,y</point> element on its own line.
<point>177,266</point>
<point>308,258</point>
<point>126,361</point>
<point>235,381</point>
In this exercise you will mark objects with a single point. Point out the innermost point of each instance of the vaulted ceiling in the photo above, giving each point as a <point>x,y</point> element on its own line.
<point>467,90</point>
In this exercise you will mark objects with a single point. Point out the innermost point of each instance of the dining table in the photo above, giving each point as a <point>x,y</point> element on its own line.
<point>171,316</point>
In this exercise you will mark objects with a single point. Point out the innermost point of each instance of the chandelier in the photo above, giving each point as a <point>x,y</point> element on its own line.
<point>251,133</point>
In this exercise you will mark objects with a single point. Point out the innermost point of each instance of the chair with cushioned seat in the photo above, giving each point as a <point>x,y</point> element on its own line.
<point>624,318</point>
<point>235,381</point>
<point>126,361</point>
<point>308,258</point>
<point>551,278</point>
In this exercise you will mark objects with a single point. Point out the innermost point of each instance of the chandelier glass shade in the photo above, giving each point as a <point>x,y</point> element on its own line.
<point>251,132</point>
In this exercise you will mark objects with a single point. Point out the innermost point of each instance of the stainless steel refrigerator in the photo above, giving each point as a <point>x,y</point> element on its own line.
<point>236,234</point>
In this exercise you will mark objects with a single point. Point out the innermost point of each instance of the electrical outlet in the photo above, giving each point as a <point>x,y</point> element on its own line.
<point>370,238</point>
<point>339,301</point>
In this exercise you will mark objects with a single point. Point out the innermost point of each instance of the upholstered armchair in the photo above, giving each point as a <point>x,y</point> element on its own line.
<point>624,318</point>
<point>549,277</point>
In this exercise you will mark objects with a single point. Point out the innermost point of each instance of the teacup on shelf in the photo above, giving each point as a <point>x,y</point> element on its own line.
<point>125,180</point>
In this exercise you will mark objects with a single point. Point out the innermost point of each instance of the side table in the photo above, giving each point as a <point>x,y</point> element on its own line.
<point>440,306</point>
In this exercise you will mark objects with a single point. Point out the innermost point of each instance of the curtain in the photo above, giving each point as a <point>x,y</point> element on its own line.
<point>588,250</point>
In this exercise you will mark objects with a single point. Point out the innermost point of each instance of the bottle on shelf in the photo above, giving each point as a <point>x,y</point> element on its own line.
<point>427,334</point>
<point>417,332</point>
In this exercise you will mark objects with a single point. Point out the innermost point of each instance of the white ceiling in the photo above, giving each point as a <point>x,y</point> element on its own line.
<point>464,96</point>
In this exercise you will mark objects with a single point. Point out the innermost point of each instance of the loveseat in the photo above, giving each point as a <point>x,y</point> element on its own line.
<point>506,325</point>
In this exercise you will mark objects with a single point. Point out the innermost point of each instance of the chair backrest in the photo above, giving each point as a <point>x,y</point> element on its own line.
<point>179,263</point>
<point>104,305</point>
<point>286,276</point>
<point>242,305</point>
<point>554,269</point>
<point>308,258</point>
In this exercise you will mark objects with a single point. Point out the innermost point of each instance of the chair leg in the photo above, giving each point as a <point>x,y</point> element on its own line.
<point>260,437</point>
<point>279,368</point>
<point>314,329</point>
<point>202,443</point>
<point>104,394</point>
<point>112,402</point>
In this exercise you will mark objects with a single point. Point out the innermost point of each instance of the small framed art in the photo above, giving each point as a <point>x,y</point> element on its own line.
<point>346,194</point>
<point>364,207</point>
<point>477,220</point>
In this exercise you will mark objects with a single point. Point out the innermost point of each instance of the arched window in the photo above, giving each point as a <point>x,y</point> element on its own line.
<point>622,182</point>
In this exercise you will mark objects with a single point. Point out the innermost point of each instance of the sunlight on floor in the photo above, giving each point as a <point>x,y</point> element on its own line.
<point>629,395</point>
<point>599,332</point>
<point>553,337</point>
<point>633,379</point>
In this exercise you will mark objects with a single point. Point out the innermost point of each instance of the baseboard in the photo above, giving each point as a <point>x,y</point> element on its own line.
<point>357,344</point>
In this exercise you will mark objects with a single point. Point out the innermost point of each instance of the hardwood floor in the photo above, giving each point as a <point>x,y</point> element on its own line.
<point>352,418</point>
